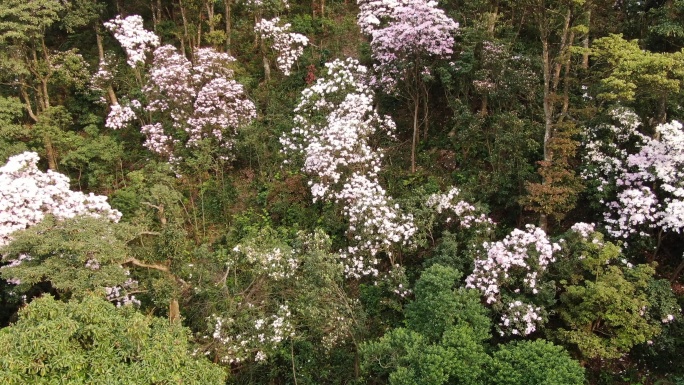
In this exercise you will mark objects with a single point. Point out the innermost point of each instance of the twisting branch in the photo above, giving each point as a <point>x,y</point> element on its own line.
<point>139,263</point>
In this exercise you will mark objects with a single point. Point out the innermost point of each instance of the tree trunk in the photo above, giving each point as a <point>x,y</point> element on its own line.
<point>585,43</point>
<point>426,113</point>
<point>416,105</point>
<point>228,12</point>
<point>50,153</point>
<point>264,58</point>
<point>186,36</point>
<point>100,49</point>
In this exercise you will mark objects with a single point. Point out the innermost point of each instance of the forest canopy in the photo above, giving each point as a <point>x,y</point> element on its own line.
<point>372,192</point>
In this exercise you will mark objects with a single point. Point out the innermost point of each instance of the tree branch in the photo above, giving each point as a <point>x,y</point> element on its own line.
<point>154,266</point>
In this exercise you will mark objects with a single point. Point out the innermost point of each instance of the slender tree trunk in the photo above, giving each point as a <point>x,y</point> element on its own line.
<point>491,20</point>
<point>210,15</point>
<point>416,105</point>
<point>50,153</point>
<point>548,112</point>
<point>264,58</point>
<point>100,49</point>
<point>585,43</point>
<point>426,113</point>
<point>27,100</point>
<point>228,12</point>
<point>186,36</point>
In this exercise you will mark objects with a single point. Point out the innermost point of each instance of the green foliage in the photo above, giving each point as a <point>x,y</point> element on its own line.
<point>439,305</point>
<point>60,250</point>
<point>93,342</point>
<point>634,70</point>
<point>181,224</point>
<point>534,362</point>
<point>10,131</point>
<point>604,301</point>
<point>443,338</point>
<point>24,20</point>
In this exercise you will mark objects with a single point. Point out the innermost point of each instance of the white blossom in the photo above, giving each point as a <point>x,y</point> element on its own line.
<point>133,37</point>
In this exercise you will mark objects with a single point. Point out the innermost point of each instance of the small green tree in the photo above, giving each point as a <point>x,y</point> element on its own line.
<point>94,342</point>
<point>534,362</point>
<point>604,304</point>
<point>443,338</point>
<point>76,256</point>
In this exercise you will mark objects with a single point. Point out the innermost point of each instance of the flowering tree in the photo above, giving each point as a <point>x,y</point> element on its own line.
<point>189,103</point>
<point>285,291</point>
<point>335,122</point>
<point>288,46</point>
<point>73,260</point>
<point>133,37</point>
<point>407,36</point>
<point>507,269</point>
<point>647,182</point>
<point>27,195</point>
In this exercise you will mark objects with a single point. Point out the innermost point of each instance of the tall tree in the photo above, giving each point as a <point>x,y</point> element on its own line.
<point>407,37</point>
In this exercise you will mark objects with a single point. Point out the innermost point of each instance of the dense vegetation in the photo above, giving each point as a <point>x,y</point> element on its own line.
<point>382,192</point>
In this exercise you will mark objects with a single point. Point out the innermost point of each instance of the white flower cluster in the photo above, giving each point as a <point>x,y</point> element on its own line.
<point>28,194</point>
<point>220,107</point>
<point>133,37</point>
<point>119,295</point>
<point>373,12</point>
<point>528,251</point>
<point>16,262</point>
<point>288,46</point>
<point>634,207</point>
<point>520,319</point>
<point>104,75</point>
<point>275,263</point>
<point>464,211</point>
<point>120,116</point>
<point>264,335</point>
<point>335,122</point>
<point>649,182</point>
<point>583,229</point>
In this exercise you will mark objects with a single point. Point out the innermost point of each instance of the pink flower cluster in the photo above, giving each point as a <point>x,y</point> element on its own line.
<point>201,99</point>
<point>133,37</point>
<point>514,265</point>
<point>119,116</point>
<point>218,105</point>
<point>288,46</point>
<point>649,182</point>
<point>28,194</point>
<point>404,31</point>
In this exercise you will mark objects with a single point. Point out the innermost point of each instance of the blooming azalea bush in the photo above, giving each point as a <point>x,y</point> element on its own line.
<point>40,218</point>
<point>510,270</point>
<point>403,35</point>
